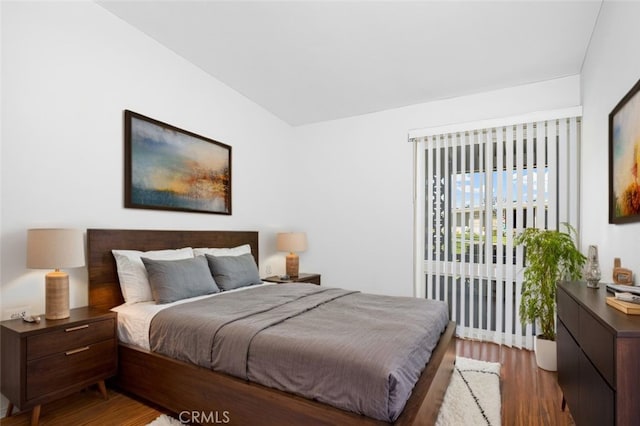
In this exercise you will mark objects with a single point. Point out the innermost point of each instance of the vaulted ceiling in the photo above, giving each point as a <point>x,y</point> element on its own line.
<point>311,61</point>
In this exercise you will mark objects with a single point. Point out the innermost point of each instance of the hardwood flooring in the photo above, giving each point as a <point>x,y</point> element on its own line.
<point>530,396</point>
<point>88,408</point>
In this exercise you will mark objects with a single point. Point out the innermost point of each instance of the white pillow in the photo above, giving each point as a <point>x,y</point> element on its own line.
<point>234,251</point>
<point>134,282</point>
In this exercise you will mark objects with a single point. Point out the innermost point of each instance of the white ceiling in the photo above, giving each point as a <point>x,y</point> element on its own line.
<point>311,61</point>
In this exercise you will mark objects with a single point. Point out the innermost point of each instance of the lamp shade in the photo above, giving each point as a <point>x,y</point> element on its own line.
<point>291,241</point>
<point>55,248</point>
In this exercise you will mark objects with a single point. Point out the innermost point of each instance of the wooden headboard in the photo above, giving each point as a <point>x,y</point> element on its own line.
<point>104,287</point>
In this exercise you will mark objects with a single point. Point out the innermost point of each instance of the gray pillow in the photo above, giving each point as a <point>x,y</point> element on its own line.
<point>172,280</point>
<point>234,271</point>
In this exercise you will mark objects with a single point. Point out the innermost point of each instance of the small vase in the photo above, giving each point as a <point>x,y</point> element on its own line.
<point>592,272</point>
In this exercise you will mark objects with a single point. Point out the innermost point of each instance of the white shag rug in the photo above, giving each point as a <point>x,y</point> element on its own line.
<point>472,398</point>
<point>473,395</point>
<point>165,420</point>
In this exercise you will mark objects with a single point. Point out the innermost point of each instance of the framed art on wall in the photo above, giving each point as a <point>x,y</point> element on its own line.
<point>624,159</point>
<point>168,168</point>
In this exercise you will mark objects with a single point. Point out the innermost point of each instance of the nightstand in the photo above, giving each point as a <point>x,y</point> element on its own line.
<point>302,278</point>
<point>55,358</point>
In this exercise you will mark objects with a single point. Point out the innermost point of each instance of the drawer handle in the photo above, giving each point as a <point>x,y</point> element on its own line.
<point>80,327</point>
<point>75,351</point>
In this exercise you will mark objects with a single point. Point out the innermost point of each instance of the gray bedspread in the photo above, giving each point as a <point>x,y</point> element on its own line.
<point>358,352</point>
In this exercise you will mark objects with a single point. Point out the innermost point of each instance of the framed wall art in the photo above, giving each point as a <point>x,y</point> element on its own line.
<point>624,159</point>
<point>167,168</point>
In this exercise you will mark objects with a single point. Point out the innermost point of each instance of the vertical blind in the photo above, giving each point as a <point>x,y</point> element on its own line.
<point>477,190</point>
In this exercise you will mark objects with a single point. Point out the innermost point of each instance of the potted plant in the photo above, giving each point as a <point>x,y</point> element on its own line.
<point>550,256</point>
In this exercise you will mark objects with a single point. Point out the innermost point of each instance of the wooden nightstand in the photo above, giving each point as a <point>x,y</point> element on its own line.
<point>46,361</point>
<point>302,278</point>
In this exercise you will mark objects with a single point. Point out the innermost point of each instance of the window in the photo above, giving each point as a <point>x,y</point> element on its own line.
<point>476,190</point>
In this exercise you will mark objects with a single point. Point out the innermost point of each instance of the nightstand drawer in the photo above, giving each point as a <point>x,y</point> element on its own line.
<point>83,363</point>
<point>68,338</point>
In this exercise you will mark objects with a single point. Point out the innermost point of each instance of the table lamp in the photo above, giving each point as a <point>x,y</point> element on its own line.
<point>292,242</point>
<point>55,249</point>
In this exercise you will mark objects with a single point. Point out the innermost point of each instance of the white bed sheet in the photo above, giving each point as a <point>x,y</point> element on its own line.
<point>134,319</point>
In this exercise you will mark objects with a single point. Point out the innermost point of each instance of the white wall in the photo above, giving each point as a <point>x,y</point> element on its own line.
<point>69,71</point>
<point>611,68</point>
<point>70,68</point>
<point>355,180</point>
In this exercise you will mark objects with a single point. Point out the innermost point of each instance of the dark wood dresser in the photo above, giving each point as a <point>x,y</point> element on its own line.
<point>598,357</point>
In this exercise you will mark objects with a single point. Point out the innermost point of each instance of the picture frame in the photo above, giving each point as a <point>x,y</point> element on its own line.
<point>168,168</point>
<point>624,159</point>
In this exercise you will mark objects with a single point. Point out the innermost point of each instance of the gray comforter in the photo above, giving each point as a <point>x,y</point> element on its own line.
<point>358,352</point>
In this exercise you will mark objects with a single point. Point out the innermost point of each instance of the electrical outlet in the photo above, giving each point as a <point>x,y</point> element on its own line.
<point>18,312</point>
<point>268,269</point>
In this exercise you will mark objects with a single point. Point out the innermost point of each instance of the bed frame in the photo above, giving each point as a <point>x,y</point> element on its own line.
<point>214,397</point>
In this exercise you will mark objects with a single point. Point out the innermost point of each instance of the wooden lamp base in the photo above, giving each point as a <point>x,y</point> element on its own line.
<point>293,263</point>
<point>56,295</point>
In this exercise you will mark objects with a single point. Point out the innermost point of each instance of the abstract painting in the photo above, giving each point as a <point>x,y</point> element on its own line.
<point>168,168</point>
<point>624,159</point>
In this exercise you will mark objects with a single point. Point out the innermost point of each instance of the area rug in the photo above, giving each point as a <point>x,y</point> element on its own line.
<point>165,420</point>
<point>473,395</point>
<point>472,398</point>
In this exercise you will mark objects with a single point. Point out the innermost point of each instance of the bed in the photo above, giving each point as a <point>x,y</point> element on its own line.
<point>179,386</point>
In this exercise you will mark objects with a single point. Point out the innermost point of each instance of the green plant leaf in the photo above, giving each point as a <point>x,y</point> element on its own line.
<point>550,256</point>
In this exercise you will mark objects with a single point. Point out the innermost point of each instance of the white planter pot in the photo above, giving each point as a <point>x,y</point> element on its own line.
<point>546,354</point>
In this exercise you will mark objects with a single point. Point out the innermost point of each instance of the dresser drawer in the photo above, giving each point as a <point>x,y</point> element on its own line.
<point>83,363</point>
<point>569,313</point>
<point>569,377</point>
<point>597,398</point>
<point>73,336</point>
<point>599,347</point>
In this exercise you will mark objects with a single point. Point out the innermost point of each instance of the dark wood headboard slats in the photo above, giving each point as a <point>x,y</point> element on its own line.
<point>104,287</point>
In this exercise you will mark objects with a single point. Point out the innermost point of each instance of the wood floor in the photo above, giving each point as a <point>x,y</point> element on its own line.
<point>88,408</point>
<point>530,396</point>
